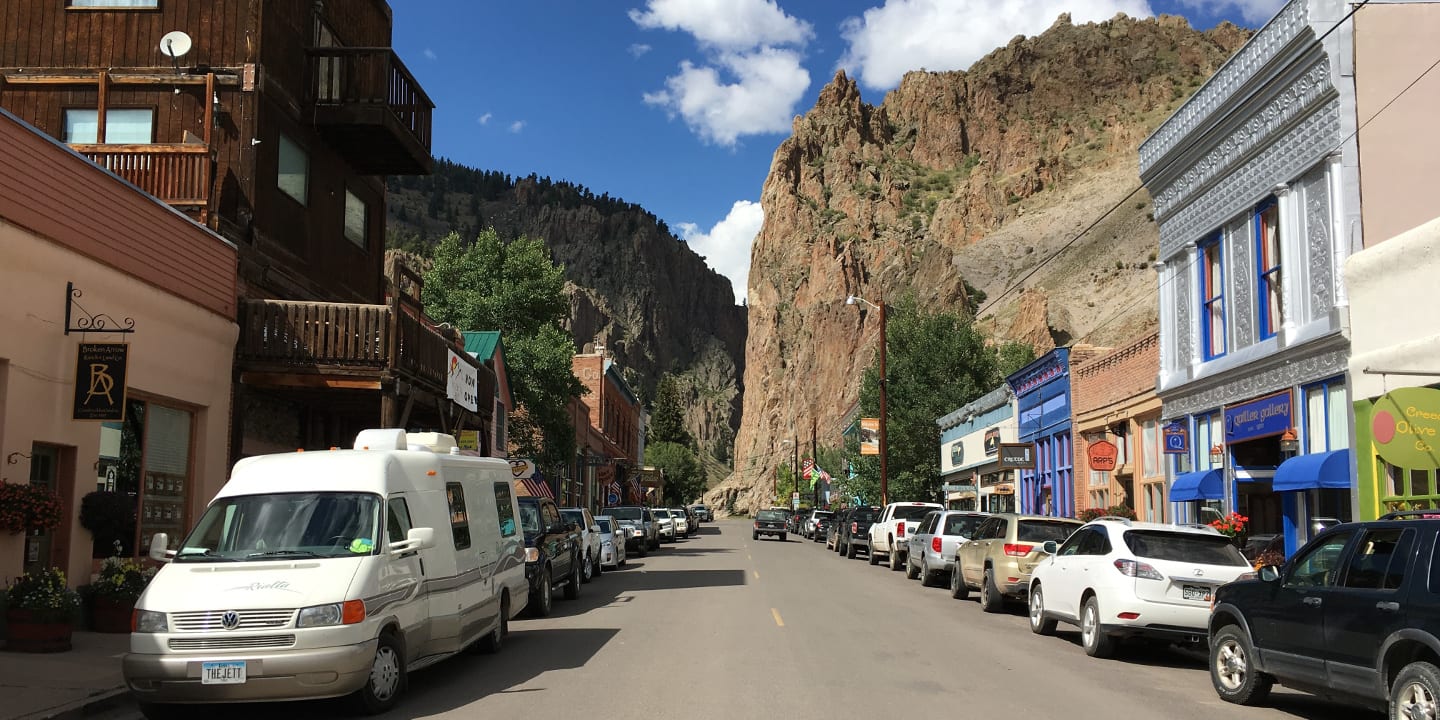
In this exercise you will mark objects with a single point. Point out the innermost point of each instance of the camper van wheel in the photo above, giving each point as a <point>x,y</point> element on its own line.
<point>496,639</point>
<point>542,600</point>
<point>387,678</point>
<point>572,588</point>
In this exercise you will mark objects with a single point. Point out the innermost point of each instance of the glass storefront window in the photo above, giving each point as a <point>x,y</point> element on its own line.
<point>1150,448</point>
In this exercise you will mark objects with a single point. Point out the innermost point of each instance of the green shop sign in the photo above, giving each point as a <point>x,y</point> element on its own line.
<point>1405,424</point>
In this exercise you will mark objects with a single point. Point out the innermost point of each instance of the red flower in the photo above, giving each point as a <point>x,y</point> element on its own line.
<point>29,507</point>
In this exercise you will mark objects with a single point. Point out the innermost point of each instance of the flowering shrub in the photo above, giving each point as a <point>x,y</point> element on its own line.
<point>1232,525</point>
<point>122,579</point>
<point>45,594</point>
<point>29,507</point>
<point>1089,514</point>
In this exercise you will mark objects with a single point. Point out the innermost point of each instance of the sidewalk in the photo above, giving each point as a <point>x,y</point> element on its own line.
<point>37,686</point>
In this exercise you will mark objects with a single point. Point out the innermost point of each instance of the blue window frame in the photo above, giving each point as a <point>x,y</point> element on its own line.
<point>1212,297</point>
<point>1267,265</point>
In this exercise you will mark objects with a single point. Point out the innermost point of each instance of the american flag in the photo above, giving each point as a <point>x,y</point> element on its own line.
<point>536,486</point>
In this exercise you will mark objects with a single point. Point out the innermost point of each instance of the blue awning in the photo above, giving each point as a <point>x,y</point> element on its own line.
<point>1208,485</point>
<point>1330,470</point>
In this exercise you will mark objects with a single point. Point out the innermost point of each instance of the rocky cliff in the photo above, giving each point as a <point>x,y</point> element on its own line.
<point>633,285</point>
<point>977,176</point>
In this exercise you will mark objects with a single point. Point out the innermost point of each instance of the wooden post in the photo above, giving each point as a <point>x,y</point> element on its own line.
<point>209,106</point>
<point>100,109</point>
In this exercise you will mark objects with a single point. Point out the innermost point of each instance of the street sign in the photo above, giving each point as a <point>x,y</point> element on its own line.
<point>612,499</point>
<point>1017,456</point>
<point>947,487</point>
<point>795,500</point>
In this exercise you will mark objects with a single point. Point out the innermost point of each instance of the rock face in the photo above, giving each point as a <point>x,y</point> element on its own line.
<point>981,175</point>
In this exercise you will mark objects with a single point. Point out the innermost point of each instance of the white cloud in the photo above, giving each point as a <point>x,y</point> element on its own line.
<point>517,126</point>
<point>430,54</point>
<point>904,35</point>
<point>768,83</point>
<point>726,24</point>
<point>726,248</point>
<point>639,49</point>
<point>1254,11</point>
<point>484,119</point>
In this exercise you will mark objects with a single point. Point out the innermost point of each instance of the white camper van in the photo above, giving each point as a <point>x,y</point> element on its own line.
<point>328,573</point>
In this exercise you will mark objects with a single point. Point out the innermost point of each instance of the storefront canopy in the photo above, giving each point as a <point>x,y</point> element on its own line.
<point>1206,485</point>
<point>1330,470</point>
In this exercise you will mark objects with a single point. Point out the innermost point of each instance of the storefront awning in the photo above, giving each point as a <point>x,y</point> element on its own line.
<point>1329,470</point>
<point>1206,485</point>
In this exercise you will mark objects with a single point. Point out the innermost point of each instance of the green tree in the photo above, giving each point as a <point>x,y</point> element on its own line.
<point>937,361</point>
<point>667,419</point>
<point>684,476</point>
<point>515,288</point>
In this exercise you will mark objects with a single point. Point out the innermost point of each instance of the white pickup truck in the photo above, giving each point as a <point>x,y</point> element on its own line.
<point>889,534</point>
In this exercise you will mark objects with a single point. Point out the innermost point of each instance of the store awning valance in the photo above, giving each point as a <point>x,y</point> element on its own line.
<point>1330,470</point>
<point>1207,485</point>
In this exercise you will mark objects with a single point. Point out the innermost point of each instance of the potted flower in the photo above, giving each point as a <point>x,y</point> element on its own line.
<point>40,612</point>
<point>114,592</point>
<point>1232,526</point>
<point>29,508</point>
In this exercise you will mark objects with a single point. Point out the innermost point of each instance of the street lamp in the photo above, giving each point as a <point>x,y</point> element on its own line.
<point>884,475</point>
<point>1217,455</point>
<point>1289,444</point>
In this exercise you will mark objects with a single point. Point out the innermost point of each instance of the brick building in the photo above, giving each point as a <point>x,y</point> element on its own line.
<point>1114,400</point>
<point>611,447</point>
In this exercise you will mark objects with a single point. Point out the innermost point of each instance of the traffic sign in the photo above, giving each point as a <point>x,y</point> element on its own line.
<point>612,499</point>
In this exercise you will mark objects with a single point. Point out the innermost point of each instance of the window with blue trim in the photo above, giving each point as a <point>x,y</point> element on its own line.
<point>1326,416</point>
<point>1212,297</point>
<point>1267,264</point>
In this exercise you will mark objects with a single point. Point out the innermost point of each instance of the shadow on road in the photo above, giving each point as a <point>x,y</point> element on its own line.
<point>708,530</point>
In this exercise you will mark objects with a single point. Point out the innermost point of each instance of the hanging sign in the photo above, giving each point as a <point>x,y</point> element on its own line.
<point>1103,454</point>
<point>957,453</point>
<point>1017,456</point>
<point>100,381</point>
<point>1177,439</point>
<point>992,441</point>
<point>869,436</point>
<point>1405,424</point>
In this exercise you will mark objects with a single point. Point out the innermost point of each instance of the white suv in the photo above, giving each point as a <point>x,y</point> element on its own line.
<point>1117,578</point>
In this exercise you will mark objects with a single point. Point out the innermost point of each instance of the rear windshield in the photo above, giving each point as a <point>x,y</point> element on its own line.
<point>770,515</point>
<point>574,516</point>
<point>1184,547</point>
<point>625,513</point>
<point>605,525</point>
<point>963,525</point>
<point>1042,530</point>
<point>864,515</point>
<point>823,514</point>
<point>912,512</point>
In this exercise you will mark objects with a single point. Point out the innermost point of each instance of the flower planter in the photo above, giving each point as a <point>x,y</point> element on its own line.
<point>110,615</point>
<point>30,632</point>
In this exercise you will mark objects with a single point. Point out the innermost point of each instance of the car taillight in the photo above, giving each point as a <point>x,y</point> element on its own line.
<point>1018,550</point>
<point>757,524</point>
<point>900,529</point>
<point>1137,569</point>
<point>854,528</point>
<point>935,544</point>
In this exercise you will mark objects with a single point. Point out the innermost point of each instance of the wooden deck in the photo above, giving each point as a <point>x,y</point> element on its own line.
<point>176,174</point>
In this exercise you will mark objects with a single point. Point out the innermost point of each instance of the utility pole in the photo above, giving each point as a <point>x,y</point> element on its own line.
<point>814,477</point>
<point>795,441</point>
<point>884,448</point>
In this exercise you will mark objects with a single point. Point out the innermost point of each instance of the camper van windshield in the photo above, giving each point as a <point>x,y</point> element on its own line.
<point>286,525</point>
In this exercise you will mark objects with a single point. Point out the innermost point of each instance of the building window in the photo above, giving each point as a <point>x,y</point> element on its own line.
<point>120,4</point>
<point>1155,502</point>
<point>123,126</point>
<point>1150,448</point>
<point>294,173</point>
<point>1267,253</point>
<point>1212,297</point>
<point>459,518</point>
<point>501,446</point>
<point>357,220</point>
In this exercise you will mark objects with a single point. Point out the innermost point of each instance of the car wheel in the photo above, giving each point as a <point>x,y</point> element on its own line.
<point>926,577</point>
<point>911,572</point>
<point>542,600</point>
<point>990,599</point>
<point>754,536</point>
<point>1416,692</point>
<point>871,556</point>
<point>492,643</point>
<point>572,588</point>
<point>587,572</point>
<point>386,681</point>
<point>850,552</point>
<point>1097,643</point>
<point>642,549</point>
<point>1233,673</point>
<point>894,556</point>
<point>782,537</point>
<point>1039,624</point>
<point>958,589</point>
<point>598,570</point>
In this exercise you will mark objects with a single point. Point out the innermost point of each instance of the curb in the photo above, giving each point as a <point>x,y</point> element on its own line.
<point>95,704</point>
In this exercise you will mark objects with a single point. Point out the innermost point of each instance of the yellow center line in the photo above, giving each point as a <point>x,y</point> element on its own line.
<point>778,621</point>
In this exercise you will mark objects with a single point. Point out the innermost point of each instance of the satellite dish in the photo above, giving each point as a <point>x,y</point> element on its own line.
<point>175,44</point>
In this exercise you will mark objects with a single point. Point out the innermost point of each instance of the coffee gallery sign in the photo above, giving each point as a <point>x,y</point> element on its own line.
<point>1405,425</point>
<point>1262,417</point>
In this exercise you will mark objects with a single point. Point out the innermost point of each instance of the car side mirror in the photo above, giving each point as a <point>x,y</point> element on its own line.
<point>416,539</point>
<point>160,547</point>
<point>1270,573</point>
<point>1049,547</point>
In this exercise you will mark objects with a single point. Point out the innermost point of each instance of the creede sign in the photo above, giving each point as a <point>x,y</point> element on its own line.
<point>1102,455</point>
<point>1405,425</point>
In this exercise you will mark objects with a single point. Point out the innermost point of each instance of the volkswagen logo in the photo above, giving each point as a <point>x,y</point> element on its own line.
<point>230,620</point>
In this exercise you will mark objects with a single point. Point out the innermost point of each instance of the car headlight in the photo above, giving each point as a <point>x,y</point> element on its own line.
<point>149,621</point>
<point>346,613</point>
<point>532,554</point>
<point>638,532</point>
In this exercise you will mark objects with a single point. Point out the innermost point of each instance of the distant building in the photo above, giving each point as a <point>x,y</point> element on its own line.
<point>616,417</point>
<point>970,452</point>
<point>1115,403</point>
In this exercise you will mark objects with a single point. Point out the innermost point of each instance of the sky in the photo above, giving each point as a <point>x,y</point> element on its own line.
<point>679,105</point>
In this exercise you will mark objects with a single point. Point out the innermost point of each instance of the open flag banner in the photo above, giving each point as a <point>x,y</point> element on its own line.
<point>812,472</point>
<point>536,486</point>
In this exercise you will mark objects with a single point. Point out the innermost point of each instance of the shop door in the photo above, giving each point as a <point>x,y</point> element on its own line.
<point>1264,511</point>
<point>44,472</point>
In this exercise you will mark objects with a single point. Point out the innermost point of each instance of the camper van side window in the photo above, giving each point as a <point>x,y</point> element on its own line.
<point>506,507</point>
<point>398,525</point>
<point>459,519</point>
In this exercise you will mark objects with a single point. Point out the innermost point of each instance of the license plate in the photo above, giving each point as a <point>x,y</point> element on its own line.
<point>230,672</point>
<point>1195,592</point>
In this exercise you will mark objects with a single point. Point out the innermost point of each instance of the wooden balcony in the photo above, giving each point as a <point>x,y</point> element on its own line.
<point>371,109</point>
<point>176,174</point>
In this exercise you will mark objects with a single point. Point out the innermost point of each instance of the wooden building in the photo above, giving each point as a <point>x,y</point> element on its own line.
<point>273,123</point>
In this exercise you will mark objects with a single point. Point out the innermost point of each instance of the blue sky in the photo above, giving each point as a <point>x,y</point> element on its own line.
<point>678,105</point>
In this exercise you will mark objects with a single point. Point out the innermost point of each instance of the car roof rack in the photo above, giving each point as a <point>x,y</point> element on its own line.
<point>1121,518</point>
<point>1414,514</point>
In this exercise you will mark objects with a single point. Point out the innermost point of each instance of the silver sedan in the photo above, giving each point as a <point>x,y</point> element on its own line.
<point>933,544</point>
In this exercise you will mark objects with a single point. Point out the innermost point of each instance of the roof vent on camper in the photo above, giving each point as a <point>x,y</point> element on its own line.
<point>381,439</point>
<point>432,441</point>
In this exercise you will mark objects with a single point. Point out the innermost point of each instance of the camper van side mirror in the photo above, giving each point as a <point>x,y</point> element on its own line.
<point>416,539</point>
<point>160,547</point>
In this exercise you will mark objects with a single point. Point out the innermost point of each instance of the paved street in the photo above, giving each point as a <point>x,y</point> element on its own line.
<point>722,626</point>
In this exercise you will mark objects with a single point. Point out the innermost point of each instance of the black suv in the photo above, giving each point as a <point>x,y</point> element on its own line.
<point>552,553</point>
<point>1354,616</point>
<point>854,530</point>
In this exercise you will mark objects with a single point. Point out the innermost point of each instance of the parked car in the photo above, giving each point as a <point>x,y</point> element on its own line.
<point>612,541</point>
<point>692,524</point>
<point>682,523</point>
<point>666,522</point>
<point>931,555</point>
<point>703,512</point>
<point>769,522</point>
<point>1351,616</point>
<point>887,534</point>
<point>807,528</point>
<point>832,531</point>
<point>822,527</point>
<point>999,559</point>
<point>552,553</point>
<point>1121,579</point>
<point>589,540</point>
<point>645,531</point>
<point>855,531</point>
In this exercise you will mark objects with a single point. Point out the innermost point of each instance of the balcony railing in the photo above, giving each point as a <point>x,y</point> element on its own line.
<point>176,174</point>
<point>346,83</point>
